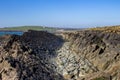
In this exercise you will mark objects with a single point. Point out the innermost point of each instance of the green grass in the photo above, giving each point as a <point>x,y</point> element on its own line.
<point>26,28</point>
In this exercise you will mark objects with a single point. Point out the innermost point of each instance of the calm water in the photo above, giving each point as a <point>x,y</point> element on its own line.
<point>10,32</point>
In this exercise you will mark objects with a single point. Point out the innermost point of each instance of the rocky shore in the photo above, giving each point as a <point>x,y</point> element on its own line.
<point>77,55</point>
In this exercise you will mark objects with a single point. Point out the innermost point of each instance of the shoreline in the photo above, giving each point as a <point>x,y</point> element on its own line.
<point>12,31</point>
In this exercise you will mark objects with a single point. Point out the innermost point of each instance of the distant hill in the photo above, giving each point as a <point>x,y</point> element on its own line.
<point>26,28</point>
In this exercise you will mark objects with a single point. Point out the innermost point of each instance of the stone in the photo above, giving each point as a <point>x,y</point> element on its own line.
<point>40,55</point>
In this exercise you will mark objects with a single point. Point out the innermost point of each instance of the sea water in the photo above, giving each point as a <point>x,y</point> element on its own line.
<point>11,32</point>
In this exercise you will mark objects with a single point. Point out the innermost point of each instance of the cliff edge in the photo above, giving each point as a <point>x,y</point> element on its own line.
<point>78,55</point>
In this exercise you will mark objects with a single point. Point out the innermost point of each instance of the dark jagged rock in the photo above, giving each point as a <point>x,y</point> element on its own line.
<point>19,61</point>
<point>78,55</point>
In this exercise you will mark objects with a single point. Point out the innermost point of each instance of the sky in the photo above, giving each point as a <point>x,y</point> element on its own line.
<point>60,13</point>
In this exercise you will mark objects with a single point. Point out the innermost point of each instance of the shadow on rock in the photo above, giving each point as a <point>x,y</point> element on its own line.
<point>30,57</point>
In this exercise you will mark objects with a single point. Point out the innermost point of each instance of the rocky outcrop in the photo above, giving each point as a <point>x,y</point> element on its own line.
<point>98,49</point>
<point>20,61</point>
<point>78,55</point>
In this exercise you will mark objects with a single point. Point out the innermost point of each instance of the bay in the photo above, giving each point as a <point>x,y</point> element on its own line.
<point>10,32</point>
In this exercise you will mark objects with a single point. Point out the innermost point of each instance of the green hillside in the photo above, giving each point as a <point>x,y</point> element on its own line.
<point>26,28</point>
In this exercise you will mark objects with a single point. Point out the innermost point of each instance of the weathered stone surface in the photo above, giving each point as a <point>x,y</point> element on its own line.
<point>97,49</point>
<point>80,55</point>
<point>22,60</point>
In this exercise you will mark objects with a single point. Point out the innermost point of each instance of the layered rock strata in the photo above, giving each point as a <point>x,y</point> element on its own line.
<point>78,55</point>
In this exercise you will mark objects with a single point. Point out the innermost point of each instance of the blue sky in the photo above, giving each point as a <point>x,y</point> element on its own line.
<point>59,13</point>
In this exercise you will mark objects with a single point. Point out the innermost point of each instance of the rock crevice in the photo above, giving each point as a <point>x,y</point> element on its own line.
<point>78,55</point>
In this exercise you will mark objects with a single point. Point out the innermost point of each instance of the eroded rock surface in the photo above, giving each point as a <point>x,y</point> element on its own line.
<point>79,55</point>
<point>98,49</point>
<point>28,60</point>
